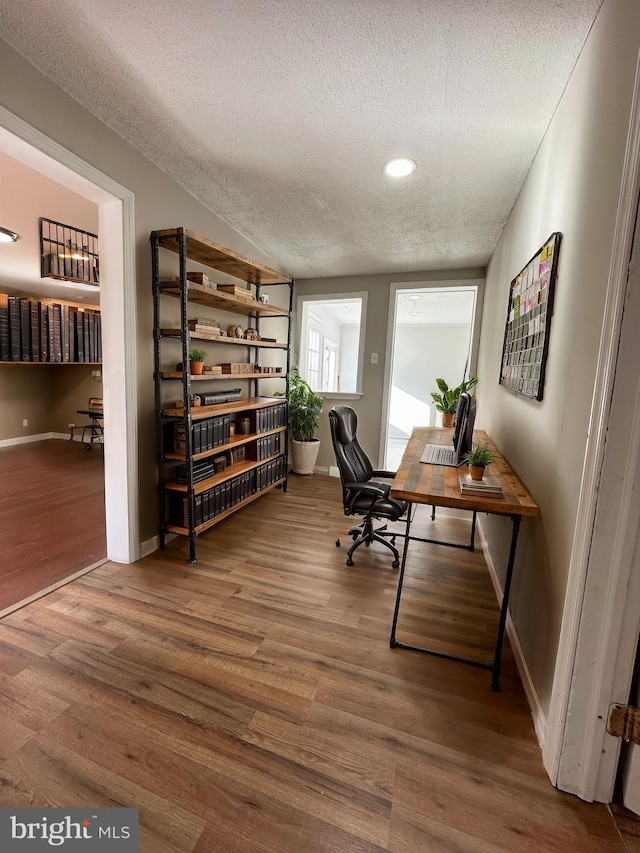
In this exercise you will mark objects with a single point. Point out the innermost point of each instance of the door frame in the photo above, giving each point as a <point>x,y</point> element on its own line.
<point>598,639</point>
<point>118,307</point>
<point>394,287</point>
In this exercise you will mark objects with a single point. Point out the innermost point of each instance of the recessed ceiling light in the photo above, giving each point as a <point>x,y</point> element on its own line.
<point>7,236</point>
<point>400,167</point>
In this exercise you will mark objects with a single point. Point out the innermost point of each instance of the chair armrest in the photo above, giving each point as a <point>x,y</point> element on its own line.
<point>388,474</point>
<point>369,488</point>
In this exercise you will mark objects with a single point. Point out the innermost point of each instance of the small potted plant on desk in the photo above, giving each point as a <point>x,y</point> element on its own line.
<point>447,400</point>
<point>196,361</point>
<point>477,460</point>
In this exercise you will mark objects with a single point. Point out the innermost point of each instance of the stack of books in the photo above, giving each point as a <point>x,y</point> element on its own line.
<point>206,328</point>
<point>488,487</point>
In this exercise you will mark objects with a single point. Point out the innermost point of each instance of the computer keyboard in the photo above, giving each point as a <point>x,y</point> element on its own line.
<point>435,454</point>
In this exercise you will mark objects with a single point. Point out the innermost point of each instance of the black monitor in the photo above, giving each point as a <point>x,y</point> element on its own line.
<point>464,423</point>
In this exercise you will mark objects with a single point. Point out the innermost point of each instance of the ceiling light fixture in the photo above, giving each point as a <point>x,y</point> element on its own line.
<point>400,167</point>
<point>7,236</point>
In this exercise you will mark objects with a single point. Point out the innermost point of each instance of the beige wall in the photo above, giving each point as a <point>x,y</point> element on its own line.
<point>71,388</point>
<point>159,203</point>
<point>27,195</point>
<point>369,406</point>
<point>25,393</point>
<point>573,187</point>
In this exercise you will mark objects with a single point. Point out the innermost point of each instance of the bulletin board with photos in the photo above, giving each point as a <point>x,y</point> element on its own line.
<point>526,339</point>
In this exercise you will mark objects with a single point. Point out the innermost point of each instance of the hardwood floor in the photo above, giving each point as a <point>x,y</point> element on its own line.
<point>52,519</point>
<point>251,703</point>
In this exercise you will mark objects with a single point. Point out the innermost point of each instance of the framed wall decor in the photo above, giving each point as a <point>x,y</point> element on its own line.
<point>526,337</point>
<point>68,253</point>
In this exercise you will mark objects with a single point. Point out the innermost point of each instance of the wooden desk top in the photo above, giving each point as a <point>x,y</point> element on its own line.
<point>439,485</point>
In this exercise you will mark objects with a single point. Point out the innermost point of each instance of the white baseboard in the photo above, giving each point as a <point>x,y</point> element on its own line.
<point>43,436</point>
<point>537,714</point>
<point>27,439</point>
<point>150,545</point>
<point>321,469</point>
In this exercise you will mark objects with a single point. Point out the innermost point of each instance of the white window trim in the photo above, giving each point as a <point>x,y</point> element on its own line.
<point>301,333</point>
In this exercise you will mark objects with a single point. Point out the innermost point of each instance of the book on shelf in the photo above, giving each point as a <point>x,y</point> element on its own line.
<point>488,487</point>
<point>5,343</point>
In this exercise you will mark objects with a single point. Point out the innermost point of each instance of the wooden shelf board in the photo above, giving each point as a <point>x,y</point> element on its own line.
<point>228,474</point>
<point>202,295</point>
<point>236,441</point>
<point>183,531</point>
<point>199,412</point>
<point>218,257</point>
<point>174,374</point>
<point>221,339</point>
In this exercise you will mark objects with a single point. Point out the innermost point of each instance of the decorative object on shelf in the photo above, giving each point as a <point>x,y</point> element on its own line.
<point>526,336</point>
<point>304,417</point>
<point>235,331</point>
<point>68,253</point>
<point>244,425</point>
<point>264,298</point>
<point>447,400</point>
<point>196,361</point>
<point>477,460</point>
<point>252,335</point>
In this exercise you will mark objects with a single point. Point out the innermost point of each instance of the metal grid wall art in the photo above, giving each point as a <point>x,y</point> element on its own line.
<point>526,337</point>
<point>68,253</point>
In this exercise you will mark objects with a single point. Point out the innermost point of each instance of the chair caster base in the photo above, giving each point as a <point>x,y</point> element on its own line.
<point>337,543</point>
<point>396,564</point>
<point>349,561</point>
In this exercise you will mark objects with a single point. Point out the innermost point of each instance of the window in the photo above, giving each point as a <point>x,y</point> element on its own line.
<point>331,342</point>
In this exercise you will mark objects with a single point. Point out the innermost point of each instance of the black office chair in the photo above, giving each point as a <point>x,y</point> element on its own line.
<point>361,493</point>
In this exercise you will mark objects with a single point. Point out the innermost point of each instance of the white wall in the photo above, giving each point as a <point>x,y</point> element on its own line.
<point>573,187</point>
<point>348,365</point>
<point>423,353</point>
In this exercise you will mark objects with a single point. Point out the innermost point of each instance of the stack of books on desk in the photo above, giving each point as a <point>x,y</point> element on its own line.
<point>488,487</point>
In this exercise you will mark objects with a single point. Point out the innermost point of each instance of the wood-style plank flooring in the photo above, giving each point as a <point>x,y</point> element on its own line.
<point>251,704</point>
<point>52,520</point>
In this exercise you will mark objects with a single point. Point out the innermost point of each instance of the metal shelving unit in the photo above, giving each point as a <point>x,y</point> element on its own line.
<point>191,246</point>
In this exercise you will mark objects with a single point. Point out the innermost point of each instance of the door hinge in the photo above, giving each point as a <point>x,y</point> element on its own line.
<point>624,722</point>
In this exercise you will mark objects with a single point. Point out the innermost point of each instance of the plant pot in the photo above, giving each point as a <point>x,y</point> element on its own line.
<point>304,455</point>
<point>448,419</point>
<point>196,367</point>
<point>476,472</point>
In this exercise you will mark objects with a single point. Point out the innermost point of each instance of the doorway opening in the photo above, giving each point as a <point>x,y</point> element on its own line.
<point>116,229</point>
<point>431,335</point>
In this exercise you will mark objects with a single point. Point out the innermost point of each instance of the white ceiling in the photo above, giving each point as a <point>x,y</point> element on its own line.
<point>279,114</point>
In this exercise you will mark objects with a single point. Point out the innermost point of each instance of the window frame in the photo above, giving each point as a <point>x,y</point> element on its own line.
<point>304,304</point>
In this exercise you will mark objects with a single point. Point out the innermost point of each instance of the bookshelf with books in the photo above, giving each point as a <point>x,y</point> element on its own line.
<point>222,444</point>
<point>49,331</point>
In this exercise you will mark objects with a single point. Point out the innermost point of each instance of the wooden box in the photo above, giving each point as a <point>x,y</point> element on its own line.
<point>219,463</point>
<point>237,292</point>
<point>201,278</point>
<point>233,367</point>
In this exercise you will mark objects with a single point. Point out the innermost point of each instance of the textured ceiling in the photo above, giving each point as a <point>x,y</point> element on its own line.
<point>279,114</point>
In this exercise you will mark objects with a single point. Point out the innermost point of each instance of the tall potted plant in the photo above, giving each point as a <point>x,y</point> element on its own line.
<point>447,400</point>
<point>304,416</point>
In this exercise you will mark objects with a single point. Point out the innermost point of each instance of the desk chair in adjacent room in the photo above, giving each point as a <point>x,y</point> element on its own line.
<point>361,493</point>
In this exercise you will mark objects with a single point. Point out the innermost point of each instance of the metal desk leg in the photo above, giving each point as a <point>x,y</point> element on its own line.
<point>497,659</point>
<point>393,643</point>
